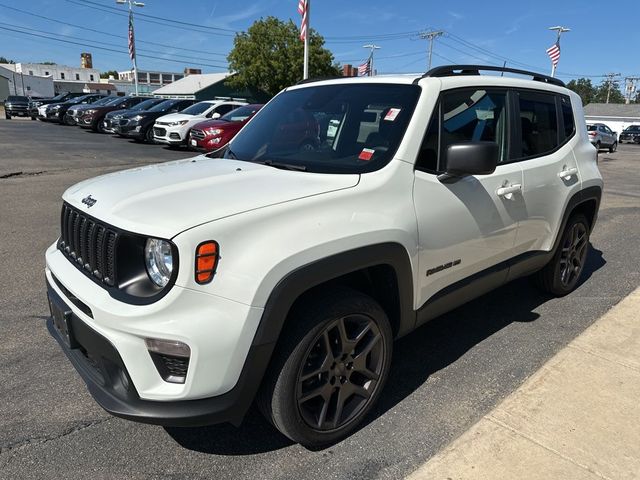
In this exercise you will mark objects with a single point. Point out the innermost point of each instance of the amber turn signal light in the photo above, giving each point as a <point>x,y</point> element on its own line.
<point>207,255</point>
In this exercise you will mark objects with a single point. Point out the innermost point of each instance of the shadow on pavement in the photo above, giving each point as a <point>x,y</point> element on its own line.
<point>417,356</point>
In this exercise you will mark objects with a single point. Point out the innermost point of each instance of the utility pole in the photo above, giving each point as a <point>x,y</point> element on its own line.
<point>630,88</point>
<point>132,45</point>
<point>431,36</point>
<point>610,79</point>
<point>373,48</point>
<point>560,30</point>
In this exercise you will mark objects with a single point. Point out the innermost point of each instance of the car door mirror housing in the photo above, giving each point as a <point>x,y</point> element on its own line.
<point>470,158</point>
<point>215,115</point>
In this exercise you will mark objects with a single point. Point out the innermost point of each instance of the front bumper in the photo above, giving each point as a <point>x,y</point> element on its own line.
<point>16,111</point>
<point>129,130</point>
<point>169,135</point>
<point>630,138</point>
<point>224,369</point>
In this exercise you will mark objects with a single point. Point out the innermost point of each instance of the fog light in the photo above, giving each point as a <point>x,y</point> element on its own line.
<point>138,128</point>
<point>168,347</point>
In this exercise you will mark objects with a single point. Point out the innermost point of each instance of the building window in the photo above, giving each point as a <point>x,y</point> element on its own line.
<point>30,72</point>
<point>46,74</point>
<point>142,78</point>
<point>154,78</point>
<point>177,77</point>
<point>91,77</point>
<point>61,76</point>
<point>77,76</point>
<point>28,87</point>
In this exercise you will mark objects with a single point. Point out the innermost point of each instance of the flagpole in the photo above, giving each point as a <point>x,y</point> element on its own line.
<point>560,30</point>
<point>305,73</point>
<point>133,3</point>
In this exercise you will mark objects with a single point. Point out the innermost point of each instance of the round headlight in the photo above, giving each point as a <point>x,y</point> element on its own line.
<point>159,261</point>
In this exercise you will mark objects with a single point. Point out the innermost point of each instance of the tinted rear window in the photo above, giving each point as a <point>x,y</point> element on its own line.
<point>567,117</point>
<point>592,128</point>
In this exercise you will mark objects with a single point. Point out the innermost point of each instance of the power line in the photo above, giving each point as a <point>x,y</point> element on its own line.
<point>167,59</point>
<point>108,33</point>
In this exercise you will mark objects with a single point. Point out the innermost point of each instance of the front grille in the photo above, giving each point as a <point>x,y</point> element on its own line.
<point>197,134</point>
<point>89,244</point>
<point>159,132</point>
<point>123,122</point>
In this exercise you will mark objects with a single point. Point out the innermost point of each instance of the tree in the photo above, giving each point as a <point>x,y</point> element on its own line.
<point>48,62</point>
<point>4,60</point>
<point>610,88</point>
<point>108,73</point>
<point>269,56</point>
<point>584,88</point>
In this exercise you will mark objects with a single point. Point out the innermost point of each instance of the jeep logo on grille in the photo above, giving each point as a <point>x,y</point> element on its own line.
<point>88,201</point>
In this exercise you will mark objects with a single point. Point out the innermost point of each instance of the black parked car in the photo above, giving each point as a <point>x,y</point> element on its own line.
<point>93,116</point>
<point>56,111</point>
<point>113,118</point>
<point>61,97</point>
<point>630,134</point>
<point>75,112</point>
<point>16,106</point>
<point>139,125</point>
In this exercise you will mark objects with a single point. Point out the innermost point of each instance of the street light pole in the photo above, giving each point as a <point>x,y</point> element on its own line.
<point>371,47</point>
<point>132,48</point>
<point>560,30</point>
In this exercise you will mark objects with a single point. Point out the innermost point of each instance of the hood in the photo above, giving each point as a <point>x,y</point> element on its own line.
<point>175,117</point>
<point>217,124</point>
<point>143,113</point>
<point>165,199</point>
<point>121,111</point>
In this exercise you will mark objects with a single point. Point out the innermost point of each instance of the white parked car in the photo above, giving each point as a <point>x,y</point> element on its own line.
<point>285,270</point>
<point>173,129</point>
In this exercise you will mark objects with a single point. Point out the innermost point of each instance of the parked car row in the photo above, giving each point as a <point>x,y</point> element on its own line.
<point>205,125</point>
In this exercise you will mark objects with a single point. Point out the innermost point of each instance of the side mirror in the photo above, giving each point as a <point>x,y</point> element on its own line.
<point>470,158</point>
<point>215,116</point>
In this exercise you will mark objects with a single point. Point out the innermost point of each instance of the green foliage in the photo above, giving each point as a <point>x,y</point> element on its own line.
<point>110,72</point>
<point>48,62</point>
<point>269,56</point>
<point>4,60</point>
<point>584,88</point>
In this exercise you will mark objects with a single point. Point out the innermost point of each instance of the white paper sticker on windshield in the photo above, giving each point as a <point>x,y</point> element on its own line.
<point>392,114</point>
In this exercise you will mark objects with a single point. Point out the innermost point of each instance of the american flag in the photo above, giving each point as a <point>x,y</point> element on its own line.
<point>302,10</point>
<point>132,42</point>
<point>365,68</point>
<point>554,53</point>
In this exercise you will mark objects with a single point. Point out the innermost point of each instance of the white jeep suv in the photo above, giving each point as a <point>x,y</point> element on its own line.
<point>282,271</point>
<point>173,129</point>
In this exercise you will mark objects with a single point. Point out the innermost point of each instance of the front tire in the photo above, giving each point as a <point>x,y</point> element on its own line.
<point>148,135</point>
<point>7,116</point>
<point>560,276</point>
<point>329,369</point>
<point>613,147</point>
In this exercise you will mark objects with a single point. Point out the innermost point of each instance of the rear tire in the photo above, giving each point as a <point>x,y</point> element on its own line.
<point>598,146</point>
<point>329,367</point>
<point>613,147</point>
<point>561,275</point>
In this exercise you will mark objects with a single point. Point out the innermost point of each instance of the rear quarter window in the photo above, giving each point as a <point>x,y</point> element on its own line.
<point>568,120</point>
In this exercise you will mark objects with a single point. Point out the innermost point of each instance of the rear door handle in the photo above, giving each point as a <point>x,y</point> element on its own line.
<point>508,191</point>
<point>567,173</point>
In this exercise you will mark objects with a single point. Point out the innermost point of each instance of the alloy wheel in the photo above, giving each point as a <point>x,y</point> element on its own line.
<point>340,372</point>
<point>574,253</point>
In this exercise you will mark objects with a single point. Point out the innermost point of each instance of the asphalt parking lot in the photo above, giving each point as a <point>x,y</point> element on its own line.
<point>444,377</point>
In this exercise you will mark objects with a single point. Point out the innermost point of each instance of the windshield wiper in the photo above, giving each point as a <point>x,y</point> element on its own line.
<point>283,166</point>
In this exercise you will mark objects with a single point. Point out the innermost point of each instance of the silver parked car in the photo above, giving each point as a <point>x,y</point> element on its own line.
<point>602,136</point>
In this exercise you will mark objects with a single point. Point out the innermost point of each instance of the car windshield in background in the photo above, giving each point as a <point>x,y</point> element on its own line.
<point>117,101</point>
<point>592,128</point>
<point>60,96</point>
<point>146,105</point>
<point>342,128</point>
<point>17,99</point>
<point>197,108</point>
<point>239,114</point>
<point>162,106</point>
<point>632,129</point>
<point>103,101</point>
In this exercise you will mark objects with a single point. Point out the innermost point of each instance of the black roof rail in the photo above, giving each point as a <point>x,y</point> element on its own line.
<point>453,70</point>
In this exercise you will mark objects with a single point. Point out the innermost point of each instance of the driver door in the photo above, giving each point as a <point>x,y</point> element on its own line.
<point>467,227</point>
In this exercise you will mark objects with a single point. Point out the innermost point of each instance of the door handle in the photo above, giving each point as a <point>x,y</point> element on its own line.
<point>508,191</point>
<point>567,173</point>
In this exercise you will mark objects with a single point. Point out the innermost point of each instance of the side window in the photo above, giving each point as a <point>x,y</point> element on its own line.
<point>539,123</point>
<point>472,116</point>
<point>567,117</point>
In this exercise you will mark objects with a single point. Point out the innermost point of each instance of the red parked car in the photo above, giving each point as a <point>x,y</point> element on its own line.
<point>213,134</point>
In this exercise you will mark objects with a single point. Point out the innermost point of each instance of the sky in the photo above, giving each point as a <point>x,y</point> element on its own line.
<point>488,32</point>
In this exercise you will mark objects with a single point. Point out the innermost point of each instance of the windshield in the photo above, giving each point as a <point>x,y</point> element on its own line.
<point>17,99</point>
<point>240,114</point>
<point>104,101</point>
<point>147,104</point>
<point>343,128</point>
<point>633,128</point>
<point>197,108</point>
<point>162,106</point>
